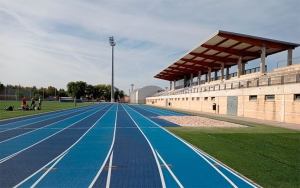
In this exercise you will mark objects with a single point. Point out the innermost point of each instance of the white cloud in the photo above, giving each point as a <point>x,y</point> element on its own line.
<point>47,43</point>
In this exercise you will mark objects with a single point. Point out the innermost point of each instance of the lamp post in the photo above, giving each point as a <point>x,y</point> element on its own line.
<point>112,43</point>
<point>132,87</point>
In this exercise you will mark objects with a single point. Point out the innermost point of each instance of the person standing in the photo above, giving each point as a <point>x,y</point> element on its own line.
<point>32,102</point>
<point>40,103</point>
<point>24,100</point>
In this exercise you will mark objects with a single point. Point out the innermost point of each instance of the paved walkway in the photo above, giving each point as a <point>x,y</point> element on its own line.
<point>261,121</point>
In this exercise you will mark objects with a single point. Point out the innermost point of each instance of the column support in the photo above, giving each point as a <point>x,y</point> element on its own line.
<point>191,79</point>
<point>216,75</point>
<point>170,85</point>
<point>227,73</point>
<point>199,78</point>
<point>174,84</point>
<point>239,67</point>
<point>289,57</point>
<point>263,59</point>
<point>209,74</point>
<point>222,72</point>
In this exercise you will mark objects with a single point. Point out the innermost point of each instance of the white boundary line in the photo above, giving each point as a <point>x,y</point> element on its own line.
<point>157,162</point>
<point>112,144</point>
<point>173,175</point>
<point>109,170</point>
<point>37,181</point>
<point>60,114</point>
<point>14,154</point>
<point>44,126</point>
<point>189,145</point>
<point>67,150</point>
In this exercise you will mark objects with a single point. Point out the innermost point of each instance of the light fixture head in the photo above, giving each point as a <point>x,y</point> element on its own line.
<point>111,41</point>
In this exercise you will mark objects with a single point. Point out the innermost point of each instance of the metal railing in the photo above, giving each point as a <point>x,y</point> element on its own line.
<point>265,80</point>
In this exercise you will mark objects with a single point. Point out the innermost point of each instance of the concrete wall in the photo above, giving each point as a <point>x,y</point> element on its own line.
<point>139,95</point>
<point>283,108</point>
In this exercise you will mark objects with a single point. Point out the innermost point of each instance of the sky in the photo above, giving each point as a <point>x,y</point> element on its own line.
<point>50,43</point>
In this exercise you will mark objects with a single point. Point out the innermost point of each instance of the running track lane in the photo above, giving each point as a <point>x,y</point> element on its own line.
<point>21,166</point>
<point>19,128</point>
<point>187,167</point>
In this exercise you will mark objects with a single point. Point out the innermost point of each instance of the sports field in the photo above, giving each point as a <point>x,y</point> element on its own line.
<point>114,145</point>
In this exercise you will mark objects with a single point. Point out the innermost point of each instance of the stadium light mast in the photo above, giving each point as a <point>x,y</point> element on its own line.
<point>112,43</point>
<point>132,87</point>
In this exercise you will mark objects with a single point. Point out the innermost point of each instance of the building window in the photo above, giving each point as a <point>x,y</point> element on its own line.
<point>253,98</point>
<point>193,99</point>
<point>187,99</point>
<point>212,98</point>
<point>183,99</point>
<point>297,97</point>
<point>206,98</point>
<point>270,97</point>
<point>198,98</point>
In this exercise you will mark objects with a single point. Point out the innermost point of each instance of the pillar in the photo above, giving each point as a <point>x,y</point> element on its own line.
<point>216,75</point>
<point>227,73</point>
<point>174,84</point>
<point>289,57</point>
<point>199,78</point>
<point>206,78</point>
<point>209,74</point>
<point>170,85</point>
<point>222,71</point>
<point>243,68</point>
<point>239,67</point>
<point>262,59</point>
<point>184,81</point>
<point>191,80</point>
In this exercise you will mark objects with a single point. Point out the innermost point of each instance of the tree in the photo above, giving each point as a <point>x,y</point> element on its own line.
<point>76,89</point>
<point>19,94</point>
<point>89,91</point>
<point>1,87</point>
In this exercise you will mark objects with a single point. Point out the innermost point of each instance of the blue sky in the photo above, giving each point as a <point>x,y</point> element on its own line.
<point>50,43</point>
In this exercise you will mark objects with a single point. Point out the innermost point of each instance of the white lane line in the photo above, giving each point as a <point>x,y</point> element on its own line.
<point>112,144</point>
<point>37,181</point>
<point>67,150</point>
<point>193,150</point>
<point>47,118</point>
<point>109,170</point>
<point>14,154</point>
<point>157,162</point>
<point>240,176</point>
<point>151,109</point>
<point>44,127</point>
<point>154,111</point>
<point>42,115</point>
<point>173,175</point>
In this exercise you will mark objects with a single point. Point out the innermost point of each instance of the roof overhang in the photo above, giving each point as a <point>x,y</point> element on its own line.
<point>222,47</point>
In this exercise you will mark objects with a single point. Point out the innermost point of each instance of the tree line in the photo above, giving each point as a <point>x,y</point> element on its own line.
<point>77,89</point>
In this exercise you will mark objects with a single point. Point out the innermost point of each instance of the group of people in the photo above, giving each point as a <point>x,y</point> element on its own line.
<point>25,106</point>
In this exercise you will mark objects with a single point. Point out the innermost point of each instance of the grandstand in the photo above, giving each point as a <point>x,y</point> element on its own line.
<point>252,93</point>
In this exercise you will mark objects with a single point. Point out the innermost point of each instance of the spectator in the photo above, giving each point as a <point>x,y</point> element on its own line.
<point>24,100</point>
<point>10,108</point>
<point>40,103</point>
<point>32,102</point>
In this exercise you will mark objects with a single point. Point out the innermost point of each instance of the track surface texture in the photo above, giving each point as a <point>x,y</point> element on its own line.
<point>105,145</point>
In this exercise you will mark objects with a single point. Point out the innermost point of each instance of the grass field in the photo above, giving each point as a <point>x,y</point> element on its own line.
<point>268,155</point>
<point>47,106</point>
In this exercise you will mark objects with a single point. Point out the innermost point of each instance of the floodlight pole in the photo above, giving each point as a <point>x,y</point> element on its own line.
<point>112,43</point>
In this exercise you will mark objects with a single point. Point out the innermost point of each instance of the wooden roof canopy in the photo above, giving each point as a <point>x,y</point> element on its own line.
<point>222,47</point>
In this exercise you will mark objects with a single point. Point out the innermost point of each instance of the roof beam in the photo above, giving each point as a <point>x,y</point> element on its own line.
<point>256,42</point>
<point>216,58</point>
<point>232,51</point>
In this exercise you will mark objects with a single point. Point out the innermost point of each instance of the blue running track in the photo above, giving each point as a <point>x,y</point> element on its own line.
<point>105,145</point>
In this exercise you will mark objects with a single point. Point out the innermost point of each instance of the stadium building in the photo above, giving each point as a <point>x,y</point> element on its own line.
<point>253,93</point>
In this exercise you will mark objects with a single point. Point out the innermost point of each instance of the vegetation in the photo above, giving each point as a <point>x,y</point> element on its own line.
<point>78,89</point>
